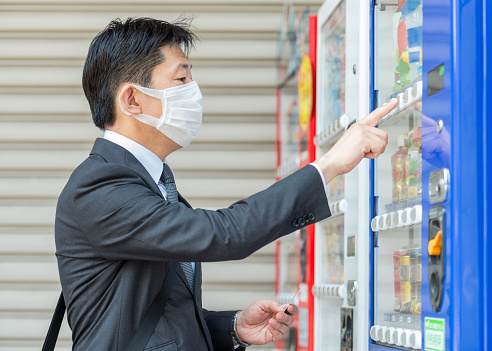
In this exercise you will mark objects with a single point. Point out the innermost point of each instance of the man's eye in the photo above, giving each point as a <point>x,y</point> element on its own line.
<point>182,79</point>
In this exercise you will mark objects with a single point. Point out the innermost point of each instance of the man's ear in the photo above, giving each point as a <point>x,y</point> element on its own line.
<point>128,103</point>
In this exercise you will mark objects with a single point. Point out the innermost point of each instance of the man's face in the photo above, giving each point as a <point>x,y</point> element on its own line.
<point>174,71</point>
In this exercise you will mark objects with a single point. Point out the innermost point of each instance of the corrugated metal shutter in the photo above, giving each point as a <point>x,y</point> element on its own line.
<point>46,131</point>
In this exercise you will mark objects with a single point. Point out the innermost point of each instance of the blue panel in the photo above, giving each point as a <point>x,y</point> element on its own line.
<point>459,48</point>
<point>436,147</point>
<point>467,140</point>
<point>468,127</point>
<point>486,171</point>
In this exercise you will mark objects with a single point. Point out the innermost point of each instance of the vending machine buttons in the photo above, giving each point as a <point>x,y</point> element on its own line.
<point>336,291</point>
<point>375,224</point>
<point>406,100</point>
<point>416,214</point>
<point>383,223</point>
<point>329,134</point>
<point>405,338</point>
<point>374,332</point>
<point>338,208</point>
<point>416,340</point>
<point>402,218</point>
<point>402,337</point>
<point>388,335</point>
<point>382,333</point>
<point>438,185</point>
<point>396,337</point>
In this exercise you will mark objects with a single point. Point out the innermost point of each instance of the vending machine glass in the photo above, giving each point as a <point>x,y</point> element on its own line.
<point>397,221</point>
<point>332,81</point>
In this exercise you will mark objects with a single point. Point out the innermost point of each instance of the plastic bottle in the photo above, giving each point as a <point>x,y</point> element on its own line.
<point>416,280</point>
<point>404,69</point>
<point>400,4</point>
<point>396,279</point>
<point>405,165</point>
<point>396,20</point>
<point>419,165</point>
<point>411,12</point>
<point>415,164</point>
<point>396,169</point>
<point>405,289</point>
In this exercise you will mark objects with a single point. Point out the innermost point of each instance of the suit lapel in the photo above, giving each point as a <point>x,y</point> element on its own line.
<point>114,153</point>
<point>182,276</point>
<point>183,200</point>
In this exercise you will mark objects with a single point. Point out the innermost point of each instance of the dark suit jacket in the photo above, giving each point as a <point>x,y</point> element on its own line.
<point>115,236</point>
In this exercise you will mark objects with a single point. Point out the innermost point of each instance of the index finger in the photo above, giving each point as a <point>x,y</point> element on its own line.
<point>375,116</point>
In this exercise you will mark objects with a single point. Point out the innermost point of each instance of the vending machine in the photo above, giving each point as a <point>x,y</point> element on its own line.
<point>427,227</point>
<point>296,113</point>
<point>341,246</point>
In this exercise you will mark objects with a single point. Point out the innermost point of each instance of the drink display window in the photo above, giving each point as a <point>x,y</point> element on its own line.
<point>332,107</point>
<point>398,176</point>
<point>332,101</point>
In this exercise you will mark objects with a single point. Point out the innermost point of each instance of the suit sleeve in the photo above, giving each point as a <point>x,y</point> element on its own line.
<point>113,208</point>
<point>219,324</point>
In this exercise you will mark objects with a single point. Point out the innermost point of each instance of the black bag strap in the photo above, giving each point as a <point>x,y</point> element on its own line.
<point>56,321</point>
<point>145,329</point>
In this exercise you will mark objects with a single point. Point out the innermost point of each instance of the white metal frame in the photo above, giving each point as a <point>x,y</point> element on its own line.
<point>356,202</point>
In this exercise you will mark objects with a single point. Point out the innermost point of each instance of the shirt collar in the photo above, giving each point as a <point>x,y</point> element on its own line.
<point>151,162</point>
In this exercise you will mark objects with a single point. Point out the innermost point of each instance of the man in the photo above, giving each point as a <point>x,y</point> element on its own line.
<point>120,222</point>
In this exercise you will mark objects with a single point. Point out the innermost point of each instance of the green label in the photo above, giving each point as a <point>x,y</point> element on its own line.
<point>434,339</point>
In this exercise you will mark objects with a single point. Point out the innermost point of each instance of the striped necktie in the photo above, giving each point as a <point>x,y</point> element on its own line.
<point>167,179</point>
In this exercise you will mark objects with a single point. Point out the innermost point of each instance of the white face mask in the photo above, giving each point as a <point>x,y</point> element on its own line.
<point>181,112</point>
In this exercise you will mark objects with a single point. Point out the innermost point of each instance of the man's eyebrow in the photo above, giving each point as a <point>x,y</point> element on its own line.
<point>185,66</point>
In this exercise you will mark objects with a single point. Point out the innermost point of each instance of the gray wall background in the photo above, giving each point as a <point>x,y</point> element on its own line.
<point>46,131</point>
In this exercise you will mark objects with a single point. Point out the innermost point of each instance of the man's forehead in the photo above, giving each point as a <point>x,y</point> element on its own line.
<point>175,56</point>
<point>174,50</point>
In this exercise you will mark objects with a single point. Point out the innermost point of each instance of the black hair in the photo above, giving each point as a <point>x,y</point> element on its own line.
<point>128,52</point>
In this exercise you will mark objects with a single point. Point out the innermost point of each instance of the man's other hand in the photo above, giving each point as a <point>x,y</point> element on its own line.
<point>264,321</point>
